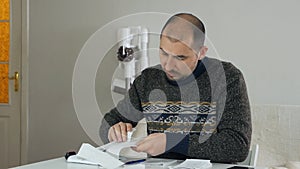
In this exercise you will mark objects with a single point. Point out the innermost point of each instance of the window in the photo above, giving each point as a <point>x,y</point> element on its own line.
<point>4,49</point>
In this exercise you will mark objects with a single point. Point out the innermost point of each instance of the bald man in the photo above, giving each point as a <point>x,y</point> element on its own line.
<point>194,106</point>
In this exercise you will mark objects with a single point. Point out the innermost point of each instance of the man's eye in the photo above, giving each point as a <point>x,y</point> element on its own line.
<point>163,53</point>
<point>180,57</point>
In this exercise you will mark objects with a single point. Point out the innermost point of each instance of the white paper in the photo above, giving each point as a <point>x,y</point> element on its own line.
<point>107,155</point>
<point>80,160</point>
<point>193,164</point>
<point>135,166</point>
<point>116,147</point>
<point>94,155</point>
<point>129,134</point>
<point>160,162</point>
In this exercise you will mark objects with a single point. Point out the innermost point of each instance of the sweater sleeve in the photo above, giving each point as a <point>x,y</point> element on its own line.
<point>127,110</point>
<point>230,141</point>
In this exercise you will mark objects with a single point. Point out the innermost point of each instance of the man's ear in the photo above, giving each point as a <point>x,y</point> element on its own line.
<point>202,53</point>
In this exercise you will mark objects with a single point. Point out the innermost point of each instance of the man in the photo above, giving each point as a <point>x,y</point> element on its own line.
<point>195,107</point>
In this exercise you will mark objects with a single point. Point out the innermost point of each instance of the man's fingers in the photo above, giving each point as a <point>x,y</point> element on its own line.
<point>123,131</point>
<point>154,144</point>
<point>135,149</point>
<point>128,126</point>
<point>140,146</point>
<point>118,132</point>
<point>111,135</point>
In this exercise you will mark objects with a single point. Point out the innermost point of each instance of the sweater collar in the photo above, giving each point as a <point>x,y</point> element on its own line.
<point>200,68</point>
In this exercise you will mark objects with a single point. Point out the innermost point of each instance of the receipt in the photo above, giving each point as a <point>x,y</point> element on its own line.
<point>116,147</point>
<point>129,134</point>
<point>94,156</point>
<point>193,164</point>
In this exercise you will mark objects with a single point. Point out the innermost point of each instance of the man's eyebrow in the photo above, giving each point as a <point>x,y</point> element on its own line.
<point>180,56</point>
<point>162,49</point>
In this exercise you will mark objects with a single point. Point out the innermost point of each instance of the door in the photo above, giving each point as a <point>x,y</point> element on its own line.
<point>10,56</point>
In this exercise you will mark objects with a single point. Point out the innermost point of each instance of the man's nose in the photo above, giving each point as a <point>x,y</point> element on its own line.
<point>170,63</point>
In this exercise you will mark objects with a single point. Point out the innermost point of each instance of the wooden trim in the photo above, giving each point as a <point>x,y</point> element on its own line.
<point>24,82</point>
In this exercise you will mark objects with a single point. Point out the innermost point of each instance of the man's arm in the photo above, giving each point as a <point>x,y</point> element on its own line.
<point>231,140</point>
<point>127,110</point>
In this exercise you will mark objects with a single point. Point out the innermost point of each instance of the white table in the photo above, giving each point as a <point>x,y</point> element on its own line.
<point>60,163</point>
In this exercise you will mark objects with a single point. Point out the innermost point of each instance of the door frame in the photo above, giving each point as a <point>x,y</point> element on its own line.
<point>24,88</point>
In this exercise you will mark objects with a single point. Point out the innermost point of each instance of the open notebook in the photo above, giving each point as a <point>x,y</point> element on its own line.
<point>111,155</point>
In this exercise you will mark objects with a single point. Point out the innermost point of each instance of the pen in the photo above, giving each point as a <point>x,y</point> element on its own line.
<point>135,161</point>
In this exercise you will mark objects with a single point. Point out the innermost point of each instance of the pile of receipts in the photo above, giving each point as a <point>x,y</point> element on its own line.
<point>107,156</point>
<point>111,156</point>
<point>193,164</point>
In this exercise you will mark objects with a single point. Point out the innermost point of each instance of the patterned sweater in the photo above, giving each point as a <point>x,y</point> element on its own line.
<point>206,115</point>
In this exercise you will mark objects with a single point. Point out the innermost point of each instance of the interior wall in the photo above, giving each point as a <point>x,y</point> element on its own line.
<point>259,37</point>
<point>277,132</point>
<point>57,31</point>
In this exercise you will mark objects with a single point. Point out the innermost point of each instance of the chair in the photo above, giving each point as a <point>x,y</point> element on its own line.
<point>251,159</point>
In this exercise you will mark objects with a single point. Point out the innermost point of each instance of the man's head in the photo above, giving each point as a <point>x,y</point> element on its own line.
<point>182,45</point>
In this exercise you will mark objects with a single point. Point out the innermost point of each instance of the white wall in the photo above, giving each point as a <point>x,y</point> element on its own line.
<point>276,130</point>
<point>259,37</point>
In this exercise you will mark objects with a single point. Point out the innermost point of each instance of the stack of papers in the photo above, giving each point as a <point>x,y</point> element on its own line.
<point>107,156</point>
<point>160,162</point>
<point>115,148</point>
<point>88,154</point>
<point>193,164</point>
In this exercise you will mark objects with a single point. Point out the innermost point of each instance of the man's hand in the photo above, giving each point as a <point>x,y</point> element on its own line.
<point>154,144</point>
<point>118,132</point>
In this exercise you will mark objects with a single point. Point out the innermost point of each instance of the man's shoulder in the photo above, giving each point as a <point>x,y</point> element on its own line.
<point>221,65</point>
<point>151,73</point>
<point>153,70</point>
<point>155,67</point>
<point>224,70</point>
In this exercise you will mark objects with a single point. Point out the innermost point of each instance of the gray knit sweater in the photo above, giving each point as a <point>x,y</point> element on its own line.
<point>206,115</point>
